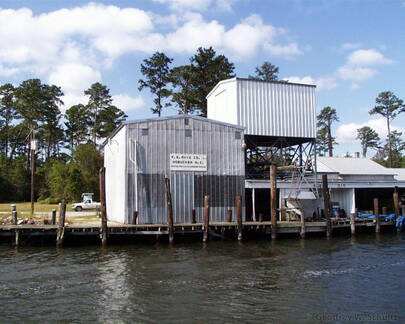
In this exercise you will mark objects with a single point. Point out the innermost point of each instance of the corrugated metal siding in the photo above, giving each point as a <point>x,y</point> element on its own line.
<point>345,197</point>
<point>276,109</point>
<point>115,178</point>
<point>223,180</point>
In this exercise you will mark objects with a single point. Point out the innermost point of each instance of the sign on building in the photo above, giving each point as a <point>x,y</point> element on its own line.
<point>188,162</point>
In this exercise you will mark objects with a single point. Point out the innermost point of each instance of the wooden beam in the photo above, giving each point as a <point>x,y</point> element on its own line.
<point>273,200</point>
<point>61,226</point>
<point>395,197</point>
<point>377,215</point>
<point>239,216</point>
<point>206,218</point>
<point>169,210</point>
<point>53,219</point>
<point>103,207</point>
<point>353,223</point>
<point>193,217</point>
<point>254,204</point>
<point>229,215</point>
<point>327,204</point>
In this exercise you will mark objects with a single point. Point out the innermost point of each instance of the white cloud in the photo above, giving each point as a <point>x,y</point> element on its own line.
<point>288,50</point>
<point>198,5</point>
<point>361,65</point>
<point>74,77</point>
<point>369,57</point>
<point>350,46</point>
<point>128,103</point>
<point>321,82</point>
<point>347,133</point>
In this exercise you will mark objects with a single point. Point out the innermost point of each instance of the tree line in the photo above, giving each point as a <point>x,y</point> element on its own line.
<point>66,159</point>
<point>63,147</point>
<point>388,152</point>
<point>185,87</point>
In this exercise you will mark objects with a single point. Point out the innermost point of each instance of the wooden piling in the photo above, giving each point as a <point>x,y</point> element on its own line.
<point>327,204</point>
<point>239,216</point>
<point>206,218</point>
<point>384,210</point>
<point>273,200</point>
<point>169,210</point>
<point>15,217</point>
<point>134,217</point>
<point>254,204</point>
<point>403,210</point>
<point>16,232</point>
<point>395,197</point>
<point>229,215</point>
<point>353,223</point>
<point>53,220</point>
<point>377,215</point>
<point>261,217</point>
<point>103,207</point>
<point>302,232</point>
<point>61,228</point>
<point>193,217</point>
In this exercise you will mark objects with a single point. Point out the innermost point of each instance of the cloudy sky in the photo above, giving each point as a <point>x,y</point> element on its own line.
<point>351,50</point>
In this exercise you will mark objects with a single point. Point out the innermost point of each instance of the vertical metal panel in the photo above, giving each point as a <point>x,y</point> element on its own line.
<point>267,108</point>
<point>223,179</point>
<point>116,178</point>
<point>345,198</point>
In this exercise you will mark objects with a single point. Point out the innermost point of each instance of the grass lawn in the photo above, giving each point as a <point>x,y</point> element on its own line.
<point>26,207</point>
<point>45,209</point>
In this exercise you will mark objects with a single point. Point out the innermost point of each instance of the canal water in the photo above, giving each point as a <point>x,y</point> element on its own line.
<point>341,280</point>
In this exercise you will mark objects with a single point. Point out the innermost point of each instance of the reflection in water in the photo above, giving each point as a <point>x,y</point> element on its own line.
<point>279,282</point>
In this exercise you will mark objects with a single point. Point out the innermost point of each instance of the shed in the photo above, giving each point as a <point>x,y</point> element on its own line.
<point>274,109</point>
<point>200,157</point>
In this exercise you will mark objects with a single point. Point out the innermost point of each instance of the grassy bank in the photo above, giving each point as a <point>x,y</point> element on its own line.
<point>26,207</point>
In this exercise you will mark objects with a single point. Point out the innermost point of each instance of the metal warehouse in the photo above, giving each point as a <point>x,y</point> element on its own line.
<point>199,156</point>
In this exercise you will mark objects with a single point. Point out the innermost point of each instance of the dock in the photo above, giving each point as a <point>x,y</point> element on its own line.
<point>24,234</point>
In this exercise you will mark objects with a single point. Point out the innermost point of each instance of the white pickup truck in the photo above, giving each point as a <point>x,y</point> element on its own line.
<point>87,203</point>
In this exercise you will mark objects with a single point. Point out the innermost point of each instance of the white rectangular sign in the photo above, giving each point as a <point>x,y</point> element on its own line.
<point>188,162</point>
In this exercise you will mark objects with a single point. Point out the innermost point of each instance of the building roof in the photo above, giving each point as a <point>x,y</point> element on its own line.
<point>399,173</point>
<point>351,166</point>
<point>252,80</point>
<point>157,119</point>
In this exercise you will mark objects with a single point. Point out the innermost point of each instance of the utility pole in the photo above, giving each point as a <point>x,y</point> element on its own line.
<point>33,147</point>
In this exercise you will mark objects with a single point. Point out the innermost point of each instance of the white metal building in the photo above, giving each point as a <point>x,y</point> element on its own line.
<point>353,182</point>
<point>200,157</point>
<point>277,109</point>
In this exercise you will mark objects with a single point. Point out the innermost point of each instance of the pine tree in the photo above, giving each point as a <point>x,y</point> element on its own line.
<point>368,138</point>
<point>156,73</point>
<point>265,72</point>
<point>325,120</point>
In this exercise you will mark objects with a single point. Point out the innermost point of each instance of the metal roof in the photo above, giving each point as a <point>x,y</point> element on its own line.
<point>156,119</point>
<point>351,166</point>
<point>253,80</point>
<point>399,173</point>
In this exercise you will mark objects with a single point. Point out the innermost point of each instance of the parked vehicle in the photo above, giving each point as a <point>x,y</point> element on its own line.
<point>87,203</point>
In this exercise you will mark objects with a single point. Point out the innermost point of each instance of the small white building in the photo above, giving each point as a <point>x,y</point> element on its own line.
<point>353,183</point>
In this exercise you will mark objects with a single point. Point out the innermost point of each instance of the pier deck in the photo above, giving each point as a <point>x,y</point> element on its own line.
<point>215,228</point>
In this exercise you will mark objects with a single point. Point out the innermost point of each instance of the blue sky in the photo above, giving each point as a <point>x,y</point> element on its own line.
<point>352,50</point>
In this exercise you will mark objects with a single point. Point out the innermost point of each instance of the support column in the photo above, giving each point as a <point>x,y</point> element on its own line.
<point>327,204</point>
<point>273,200</point>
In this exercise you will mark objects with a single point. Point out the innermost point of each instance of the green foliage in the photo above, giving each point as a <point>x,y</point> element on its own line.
<point>88,161</point>
<point>104,117</point>
<point>182,93</point>
<point>368,138</point>
<point>208,69</point>
<point>265,72</point>
<point>389,106</point>
<point>77,125</point>
<point>7,114</point>
<point>325,120</point>
<point>156,73</point>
